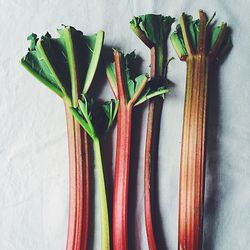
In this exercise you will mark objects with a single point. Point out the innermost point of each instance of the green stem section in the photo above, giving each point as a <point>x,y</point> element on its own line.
<point>159,62</point>
<point>192,155</point>
<point>105,240</point>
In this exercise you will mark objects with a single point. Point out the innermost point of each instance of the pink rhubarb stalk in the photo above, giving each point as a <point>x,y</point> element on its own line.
<point>79,185</point>
<point>122,164</point>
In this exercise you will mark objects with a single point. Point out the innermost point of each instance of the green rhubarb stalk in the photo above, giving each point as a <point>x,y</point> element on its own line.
<point>67,65</point>
<point>153,30</point>
<point>96,119</point>
<point>105,238</point>
<point>200,45</point>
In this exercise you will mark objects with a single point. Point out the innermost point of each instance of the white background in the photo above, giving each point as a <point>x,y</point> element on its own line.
<point>33,139</point>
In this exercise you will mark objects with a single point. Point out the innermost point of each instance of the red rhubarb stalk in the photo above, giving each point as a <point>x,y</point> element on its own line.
<point>79,185</point>
<point>96,118</point>
<point>193,45</point>
<point>129,93</point>
<point>153,30</point>
<point>122,163</point>
<point>151,148</point>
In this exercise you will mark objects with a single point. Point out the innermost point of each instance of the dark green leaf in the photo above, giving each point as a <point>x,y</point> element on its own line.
<point>133,81</point>
<point>65,64</point>
<point>148,93</point>
<point>153,30</point>
<point>95,117</point>
<point>193,30</point>
<point>155,27</point>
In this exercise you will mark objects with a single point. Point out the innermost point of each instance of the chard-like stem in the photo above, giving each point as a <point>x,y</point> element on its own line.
<point>202,38</point>
<point>185,34</point>
<point>122,163</point>
<point>78,185</point>
<point>150,165</point>
<point>151,149</point>
<point>192,154</point>
<point>121,179</point>
<point>105,239</point>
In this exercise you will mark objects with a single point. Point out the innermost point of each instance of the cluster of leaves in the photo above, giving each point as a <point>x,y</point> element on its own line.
<point>65,64</point>
<point>193,30</point>
<point>95,117</point>
<point>134,82</point>
<point>156,28</point>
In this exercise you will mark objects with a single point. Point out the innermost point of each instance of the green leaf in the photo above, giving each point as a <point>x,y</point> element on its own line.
<point>66,64</point>
<point>94,44</point>
<point>149,93</point>
<point>110,72</point>
<point>95,117</point>
<point>153,30</point>
<point>110,108</point>
<point>133,80</point>
<point>30,63</point>
<point>139,81</point>
<point>80,119</point>
<point>177,40</point>
<point>214,34</point>
<point>193,30</point>
<point>177,43</point>
<point>52,53</point>
<point>155,27</point>
<point>131,88</point>
<point>36,65</point>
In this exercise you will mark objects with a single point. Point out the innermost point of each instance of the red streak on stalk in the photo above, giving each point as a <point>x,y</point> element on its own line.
<point>149,160</point>
<point>147,180</point>
<point>122,165</point>
<point>78,185</point>
<point>192,155</point>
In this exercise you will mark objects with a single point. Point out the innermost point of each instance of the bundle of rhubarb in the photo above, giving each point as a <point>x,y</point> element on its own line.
<point>67,66</point>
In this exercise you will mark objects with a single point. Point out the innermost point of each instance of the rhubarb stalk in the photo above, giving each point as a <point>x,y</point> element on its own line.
<point>67,66</point>
<point>79,184</point>
<point>130,91</point>
<point>96,120</point>
<point>153,30</point>
<point>199,45</point>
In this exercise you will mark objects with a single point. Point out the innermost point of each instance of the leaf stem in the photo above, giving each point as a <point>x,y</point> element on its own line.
<point>186,35</point>
<point>152,143</point>
<point>105,241</point>
<point>202,38</point>
<point>150,163</point>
